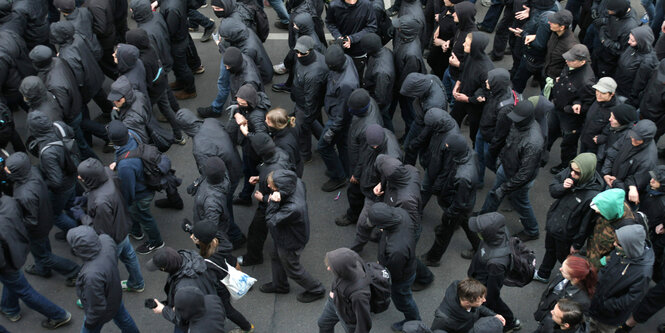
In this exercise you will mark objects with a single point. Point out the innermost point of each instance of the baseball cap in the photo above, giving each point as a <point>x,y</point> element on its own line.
<point>521,111</point>
<point>605,85</point>
<point>304,44</point>
<point>577,52</point>
<point>161,259</point>
<point>563,17</point>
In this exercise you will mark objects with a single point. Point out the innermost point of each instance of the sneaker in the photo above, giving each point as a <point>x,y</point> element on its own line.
<point>199,70</point>
<point>239,330</point>
<point>208,112</point>
<point>280,25</point>
<point>32,270</point>
<point>207,33</point>
<point>537,277</point>
<point>281,88</point>
<point>12,317</point>
<point>137,237</point>
<point>557,168</point>
<point>468,254</point>
<point>397,327</point>
<point>269,288</point>
<point>280,69</point>
<point>108,148</point>
<point>523,236</point>
<point>333,184</point>
<point>182,140</point>
<point>247,262</point>
<point>516,325</point>
<point>184,95</point>
<point>148,247</point>
<point>52,324</point>
<point>308,297</point>
<point>79,304</point>
<point>242,201</point>
<point>129,289</point>
<point>486,3</point>
<point>71,282</point>
<point>431,263</point>
<point>169,203</point>
<point>343,221</point>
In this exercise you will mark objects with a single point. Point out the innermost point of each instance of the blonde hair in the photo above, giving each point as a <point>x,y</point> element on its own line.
<point>207,250</point>
<point>280,118</point>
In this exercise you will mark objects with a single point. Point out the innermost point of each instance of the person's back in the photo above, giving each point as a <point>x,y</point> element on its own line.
<point>130,66</point>
<point>175,16</point>
<point>635,65</point>
<point>243,71</point>
<point>13,236</point>
<point>153,23</point>
<point>195,312</point>
<point>211,193</point>
<point>288,219</point>
<point>82,20</point>
<point>238,35</point>
<point>380,74</point>
<point>186,268</point>
<point>35,15</point>
<point>156,76</point>
<point>402,186</point>
<point>345,19</point>
<point>397,244</point>
<point>51,157</point>
<point>59,80</point>
<point>408,54</point>
<point>39,99</point>
<point>309,83</point>
<point>133,109</point>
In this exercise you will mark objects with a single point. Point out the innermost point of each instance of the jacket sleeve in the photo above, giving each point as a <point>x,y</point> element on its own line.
<point>629,299</point>
<point>411,65</point>
<point>62,97</point>
<point>556,186</point>
<point>338,110</point>
<point>395,265</point>
<point>258,121</point>
<point>418,142</point>
<point>610,155</point>
<point>77,68</point>
<point>464,193</point>
<point>640,81</point>
<point>214,212</point>
<point>383,89</point>
<point>529,165</point>
<point>30,207</point>
<point>95,302</point>
<point>99,23</point>
<point>495,278</point>
<point>312,96</point>
<point>586,96</point>
<point>361,308</point>
<point>586,221</point>
<point>277,213</point>
<point>169,314</point>
<point>354,150</point>
<point>331,22</point>
<point>484,311</point>
<point>370,26</point>
<point>127,183</point>
<point>51,167</point>
<point>501,132</point>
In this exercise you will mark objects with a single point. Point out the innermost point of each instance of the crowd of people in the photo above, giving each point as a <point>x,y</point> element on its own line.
<point>604,97</point>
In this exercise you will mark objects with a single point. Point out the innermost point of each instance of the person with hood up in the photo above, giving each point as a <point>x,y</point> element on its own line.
<point>636,65</point>
<point>155,26</point>
<point>653,100</point>
<point>236,9</point>
<point>569,216</point>
<point>272,158</point>
<point>379,78</point>
<point>35,16</point>
<point>103,26</point>
<point>98,283</point>
<point>103,208</point>
<point>242,70</point>
<point>469,91</point>
<point>288,221</point>
<point>633,155</point>
<point>39,98</point>
<point>130,107</point>
<point>82,20</point>
<point>349,297</point>
<point>464,14</point>
<point>598,115</point>
<point>397,252</point>
<point>126,56</point>
<point>430,93</point>
<point>31,194</point>
<point>210,195</point>
<point>61,182</point>
<point>572,95</point>
<point>8,131</point>
<point>623,281</point>
<point>462,307</point>
<point>491,263</point>
<point>307,93</point>
<point>365,114</point>
<point>444,31</point>
<point>12,21</point>
<point>614,36</point>
<point>408,59</point>
<point>281,127</point>
<point>137,195</point>
<point>519,162</point>
<point>622,118</point>
<point>342,80</point>
<point>414,9</point>
<point>235,33</point>
<point>193,311</point>
<point>456,192</point>
<point>14,66</point>
<point>566,317</point>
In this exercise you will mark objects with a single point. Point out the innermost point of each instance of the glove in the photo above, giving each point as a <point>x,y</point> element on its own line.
<point>80,201</point>
<point>77,212</point>
<point>328,136</point>
<point>498,193</point>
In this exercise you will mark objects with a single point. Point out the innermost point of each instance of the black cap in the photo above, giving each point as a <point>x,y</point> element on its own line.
<point>521,111</point>
<point>374,135</point>
<point>563,17</point>
<point>304,44</point>
<point>358,101</point>
<point>118,133</point>
<point>120,88</point>
<point>476,221</point>
<point>205,231</point>
<point>577,52</point>
<point>163,259</point>
<point>624,113</point>
<point>214,170</point>
<point>658,174</point>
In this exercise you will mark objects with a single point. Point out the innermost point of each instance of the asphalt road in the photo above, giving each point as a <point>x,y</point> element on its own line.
<point>282,313</point>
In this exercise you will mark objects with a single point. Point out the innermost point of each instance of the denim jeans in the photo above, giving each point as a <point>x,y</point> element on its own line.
<point>657,20</point>
<point>649,7</point>
<point>329,318</point>
<point>126,254</point>
<point>519,199</point>
<point>483,152</point>
<point>143,219</point>
<point>400,293</point>
<point>60,202</point>
<point>85,150</point>
<point>337,162</point>
<point>45,260</point>
<point>195,19</point>
<point>15,286</point>
<point>223,88</point>
<point>449,84</point>
<point>280,9</point>
<point>492,16</point>
<point>122,319</point>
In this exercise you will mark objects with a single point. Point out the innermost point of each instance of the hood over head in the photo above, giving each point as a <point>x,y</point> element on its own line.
<point>586,162</point>
<point>41,56</point>
<point>39,124</point>
<point>229,6</point>
<point>645,129</point>
<point>141,10</point>
<point>33,90</point>
<point>214,170</point>
<point>632,239</point>
<point>263,145</point>
<point>62,32</point>
<point>118,133</point>
<point>285,181</point>
<point>487,325</point>
<point>415,326</point>
<point>335,58</point>
<point>65,6</point>
<point>375,135</point>
<point>189,303</point>
<point>371,43</point>
<point>457,146</point>
<point>233,59</point>
<point>624,113</point>
<point>609,203</point>
<point>92,173</point>
<point>644,38</point>
<point>439,120</point>
<point>409,27</point>
<point>541,107</point>
<point>479,41</point>
<point>304,22</point>
<point>249,94</point>
<point>120,88</point>
<point>384,217</point>
<point>415,85</point>
<point>19,165</point>
<point>620,7</point>
<point>466,15</point>
<point>387,165</point>
<point>128,56</point>
<point>492,226</point>
<point>188,122</point>
<point>499,80</point>
<point>346,264</point>
<point>138,38</point>
<point>232,31</point>
<point>84,242</point>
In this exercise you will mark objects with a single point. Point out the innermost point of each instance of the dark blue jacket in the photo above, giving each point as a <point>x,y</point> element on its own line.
<point>130,173</point>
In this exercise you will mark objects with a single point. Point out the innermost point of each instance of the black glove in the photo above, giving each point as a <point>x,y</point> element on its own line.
<point>328,136</point>
<point>77,212</point>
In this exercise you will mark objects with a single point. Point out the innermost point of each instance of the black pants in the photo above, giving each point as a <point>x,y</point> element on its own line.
<point>568,127</point>
<point>554,250</point>
<point>651,303</point>
<point>502,33</point>
<point>231,313</point>
<point>181,69</point>
<point>356,202</point>
<point>473,111</point>
<point>286,264</point>
<point>256,235</point>
<point>308,125</point>
<point>363,228</point>
<point>360,62</point>
<point>11,135</point>
<point>444,233</point>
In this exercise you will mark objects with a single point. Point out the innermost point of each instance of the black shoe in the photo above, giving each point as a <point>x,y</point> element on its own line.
<point>248,262</point>
<point>33,271</point>
<point>242,201</point>
<point>523,236</point>
<point>208,112</point>
<point>280,25</point>
<point>61,236</point>
<point>516,325</point>
<point>482,28</point>
<point>238,243</point>
<point>281,88</point>
<point>558,168</point>
<point>308,297</point>
<point>52,324</point>
<point>431,263</point>
<point>269,288</point>
<point>173,203</point>
<point>333,184</point>
<point>207,34</point>
<point>419,286</point>
<point>495,57</point>
<point>343,221</point>
<point>468,254</point>
<point>148,247</point>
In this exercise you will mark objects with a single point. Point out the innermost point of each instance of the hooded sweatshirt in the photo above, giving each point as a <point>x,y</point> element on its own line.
<point>82,20</point>
<point>635,66</point>
<point>153,23</point>
<point>51,159</point>
<point>39,99</point>
<point>342,81</point>
<point>352,294</point>
<point>653,96</point>
<point>196,312</point>
<point>31,193</point>
<point>408,54</point>
<point>498,102</point>
<point>466,13</point>
<point>59,80</point>
<point>441,125</point>
<point>380,74</point>
<point>14,238</point>
<point>130,66</point>
<point>186,269</point>
<point>475,67</point>
<point>288,219</point>
<point>451,317</point>
<point>155,75</point>
<point>237,34</point>
<point>397,245</point>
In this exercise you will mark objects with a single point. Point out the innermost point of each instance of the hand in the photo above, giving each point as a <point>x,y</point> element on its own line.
<point>258,196</point>
<point>573,250</point>
<point>191,189</point>
<point>275,196</point>
<point>461,97</point>
<point>154,5</point>
<point>609,179</point>
<point>577,108</point>
<point>438,42</point>
<point>516,31</point>
<point>662,27</point>
<point>244,129</point>
<point>594,13</point>
<point>240,119</point>
<point>445,46</point>
<point>436,17</point>
<point>595,139</point>
<point>377,190</point>
<point>523,14</point>
<point>480,99</point>
<point>503,320</point>
<point>568,183</point>
<point>332,295</point>
<point>353,180</point>
<point>528,39</point>
<point>159,308</point>
<point>660,229</point>
<point>328,136</point>
<point>633,195</point>
<point>347,42</point>
<point>557,79</point>
<point>453,61</point>
<point>80,201</point>
<point>253,180</point>
<point>112,165</point>
<point>77,212</point>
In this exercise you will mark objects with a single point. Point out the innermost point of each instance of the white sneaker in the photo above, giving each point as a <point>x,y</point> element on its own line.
<point>486,3</point>
<point>280,69</point>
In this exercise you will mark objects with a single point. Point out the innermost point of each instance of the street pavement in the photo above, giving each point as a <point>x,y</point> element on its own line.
<point>282,313</point>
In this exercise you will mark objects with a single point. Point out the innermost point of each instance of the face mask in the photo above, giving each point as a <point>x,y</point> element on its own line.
<point>245,109</point>
<point>219,13</point>
<point>308,59</point>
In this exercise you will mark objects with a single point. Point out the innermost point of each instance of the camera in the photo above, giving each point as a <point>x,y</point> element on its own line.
<point>187,226</point>
<point>150,303</point>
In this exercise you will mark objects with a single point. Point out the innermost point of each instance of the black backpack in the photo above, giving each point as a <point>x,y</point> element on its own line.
<point>379,285</point>
<point>67,141</point>
<point>262,22</point>
<point>522,264</point>
<point>156,166</point>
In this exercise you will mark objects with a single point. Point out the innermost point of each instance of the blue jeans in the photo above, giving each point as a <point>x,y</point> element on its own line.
<point>122,319</point>
<point>329,318</point>
<point>482,151</point>
<point>126,254</point>
<point>142,219</point>
<point>400,293</point>
<point>448,84</point>
<point>85,150</point>
<point>15,286</point>
<point>657,20</point>
<point>45,260</point>
<point>280,9</point>
<point>337,162</point>
<point>60,202</point>
<point>649,7</point>
<point>519,199</point>
<point>223,88</point>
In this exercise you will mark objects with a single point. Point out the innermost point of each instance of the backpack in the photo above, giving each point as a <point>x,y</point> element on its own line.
<point>522,264</point>
<point>262,22</point>
<point>379,285</point>
<point>67,141</point>
<point>155,165</point>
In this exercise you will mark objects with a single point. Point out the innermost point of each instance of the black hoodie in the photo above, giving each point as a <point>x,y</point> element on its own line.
<point>397,247</point>
<point>190,272</point>
<point>597,118</point>
<point>401,185</point>
<point>341,83</point>
<point>196,312</point>
<point>466,13</point>
<point>408,54</point>
<point>35,15</point>
<point>103,21</point>
<point>39,99</point>
<point>14,63</point>
<point>500,100</point>
<point>475,67</point>
<point>175,16</point>
<point>82,20</point>
<point>59,80</point>
<point>153,23</point>
<point>135,113</point>
<point>414,9</point>
<point>288,219</point>
<point>653,95</point>
<point>635,66</point>
<point>457,192</point>
<point>31,193</point>
<point>11,21</point>
<point>451,317</point>
<point>368,175</point>
<point>14,239</point>
<point>356,141</point>
<point>354,21</point>
<point>380,74</point>
<point>130,66</point>
<point>615,33</point>
<point>440,124</point>
<point>156,77</point>
<point>237,34</point>
<point>352,294</point>
<point>243,71</point>
<point>51,159</point>
<point>309,86</point>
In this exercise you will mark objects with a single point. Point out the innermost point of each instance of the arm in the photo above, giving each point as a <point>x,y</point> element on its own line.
<point>586,221</point>
<point>639,83</point>
<point>62,97</point>
<point>286,213</point>
<point>395,265</point>
<point>529,165</point>
<point>331,21</point>
<point>556,186</point>
<point>95,302</point>
<point>495,278</point>
<point>360,305</point>
<point>464,197</point>
<point>629,299</point>
<point>586,97</point>
<point>30,208</point>
<point>501,132</point>
<point>214,212</point>
<point>383,89</point>
<point>127,183</point>
<point>51,167</point>
<point>339,110</point>
<point>370,26</point>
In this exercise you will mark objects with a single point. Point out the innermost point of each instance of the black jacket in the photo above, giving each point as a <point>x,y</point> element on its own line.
<point>135,113</point>
<point>653,95</point>
<point>196,312</point>
<point>309,86</point>
<point>278,161</point>
<point>429,91</point>
<point>338,88</point>
<point>574,87</point>
<point>451,317</point>
<point>130,66</point>
<point>11,21</point>
<point>551,296</point>
<point>368,175</point>
<point>287,140</point>
<point>61,82</point>
<point>636,64</point>
<point>106,211</point>
<point>623,160</point>
<point>380,75</point>
<point>156,77</point>
<point>520,157</point>
<point>353,21</point>
<point>556,47</point>
<point>614,35</point>
<point>475,67</point>
<point>500,101</point>
<point>35,16</point>
<point>397,247</point>
<point>191,273</point>
<point>357,141</point>
<point>82,20</point>
<point>402,187</point>
<point>103,21</point>
<point>14,63</point>
<point>457,190</point>
<point>14,237</point>
<point>414,9</point>
<point>238,35</point>
<point>153,23</point>
<point>175,16</point>
<point>288,219</point>
<point>466,14</point>
<point>98,282</point>
<point>210,204</point>
<point>31,194</point>
<point>440,124</point>
<point>51,159</point>
<point>248,74</point>
<point>352,294</point>
<point>39,99</point>
<point>597,118</point>
<point>408,55</point>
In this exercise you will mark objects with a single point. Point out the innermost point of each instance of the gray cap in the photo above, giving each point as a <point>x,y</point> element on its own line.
<point>304,44</point>
<point>645,129</point>
<point>606,85</point>
<point>563,17</point>
<point>658,174</point>
<point>577,52</point>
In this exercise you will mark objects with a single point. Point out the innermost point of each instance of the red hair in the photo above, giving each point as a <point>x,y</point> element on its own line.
<point>582,270</point>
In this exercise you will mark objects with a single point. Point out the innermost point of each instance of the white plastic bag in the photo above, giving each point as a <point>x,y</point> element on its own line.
<point>237,282</point>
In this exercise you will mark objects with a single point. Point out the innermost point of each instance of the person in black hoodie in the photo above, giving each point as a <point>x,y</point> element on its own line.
<point>210,195</point>
<point>598,115</point>
<point>653,100</point>
<point>130,107</point>
<point>235,33</point>
<point>397,253</point>
<point>98,283</point>
<point>462,306</point>
<point>469,88</point>
<point>635,65</point>
<point>31,194</point>
<point>14,66</point>
<point>103,26</point>
<point>415,10</point>
<point>349,296</point>
<point>39,99</point>
<point>82,20</point>
<point>288,221</point>
<point>491,263</point>
<point>464,15</point>
<point>154,25</point>
<point>614,35</point>
<point>8,131</point>
<point>11,21</point>
<point>379,78</point>
<point>444,32</point>
<point>35,16</point>
<point>281,128</point>
<point>242,70</point>
<point>622,118</point>
<point>130,66</point>
<point>193,311</point>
